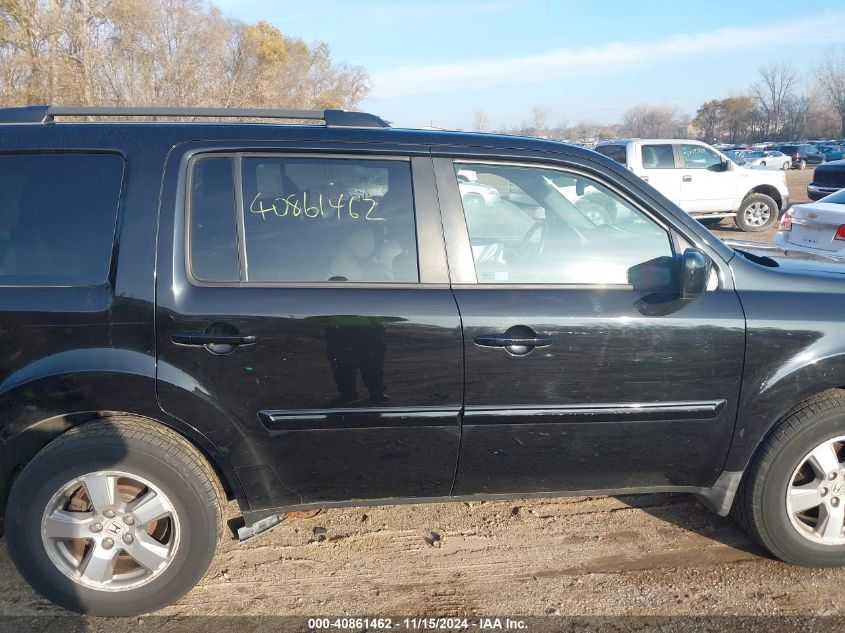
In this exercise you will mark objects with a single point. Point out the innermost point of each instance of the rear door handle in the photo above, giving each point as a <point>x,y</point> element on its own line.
<point>508,341</point>
<point>201,338</point>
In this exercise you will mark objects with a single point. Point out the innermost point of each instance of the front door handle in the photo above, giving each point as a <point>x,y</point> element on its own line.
<point>510,341</point>
<point>201,338</point>
<point>687,178</point>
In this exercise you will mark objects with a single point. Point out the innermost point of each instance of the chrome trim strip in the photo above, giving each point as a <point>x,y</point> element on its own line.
<point>358,418</point>
<point>611,412</point>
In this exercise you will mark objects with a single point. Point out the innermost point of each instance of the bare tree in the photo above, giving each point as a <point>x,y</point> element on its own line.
<point>650,121</point>
<point>830,75</point>
<point>480,122</point>
<point>775,89</point>
<point>540,120</point>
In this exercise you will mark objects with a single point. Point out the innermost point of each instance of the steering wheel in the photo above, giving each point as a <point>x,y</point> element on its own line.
<point>525,249</point>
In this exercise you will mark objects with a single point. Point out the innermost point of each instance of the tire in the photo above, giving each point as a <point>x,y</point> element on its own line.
<point>710,222</point>
<point>787,165</point>
<point>124,457</point>
<point>761,504</point>
<point>757,213</point>
<point>763,163</point>
<point>802,164</point>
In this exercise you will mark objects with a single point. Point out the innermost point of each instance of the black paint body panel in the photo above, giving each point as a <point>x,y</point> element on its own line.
<point>606,348</point>
<point>559,419</point>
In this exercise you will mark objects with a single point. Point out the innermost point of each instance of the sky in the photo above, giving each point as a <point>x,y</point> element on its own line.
<point>438,62</point>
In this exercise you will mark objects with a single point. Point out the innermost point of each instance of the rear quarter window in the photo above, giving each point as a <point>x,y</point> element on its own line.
<point>58,214</point>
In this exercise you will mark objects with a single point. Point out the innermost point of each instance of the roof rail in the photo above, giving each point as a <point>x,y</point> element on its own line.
<point>46,114</point>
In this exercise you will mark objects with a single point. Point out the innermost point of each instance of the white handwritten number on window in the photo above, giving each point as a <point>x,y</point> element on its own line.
<point>296,205</point>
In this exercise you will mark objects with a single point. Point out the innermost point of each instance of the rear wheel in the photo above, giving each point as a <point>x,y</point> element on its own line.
<point>787,165</point>
<point>792,499</point>
<point>757,213</point>
<point>710,222</point>
<point>117,517</point>
<point>802,164</point>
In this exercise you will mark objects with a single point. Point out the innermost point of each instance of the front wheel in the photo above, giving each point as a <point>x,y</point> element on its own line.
<point>763,163</point>
<point>116,517</point>
<point>792,499</point>
<point>757,213</point>
<point>802,164</point>
<point>787,165</point>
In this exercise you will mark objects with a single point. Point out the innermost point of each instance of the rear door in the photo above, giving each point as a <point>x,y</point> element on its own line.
<point>660,169</point>
<point>584,368</point>
<point>305,293</point>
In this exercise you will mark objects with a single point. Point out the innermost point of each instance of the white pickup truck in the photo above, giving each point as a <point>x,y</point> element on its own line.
<point>704,182</point>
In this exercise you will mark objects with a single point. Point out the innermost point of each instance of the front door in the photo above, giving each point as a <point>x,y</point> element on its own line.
<point>706,186</point>
<point>298,305</point>
<point>584,368</point>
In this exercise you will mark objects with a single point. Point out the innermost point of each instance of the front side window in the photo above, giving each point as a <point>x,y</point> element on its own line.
<point>700,157</point>
<point>307,219</point>
<point>545,226</point>
<point>658,156</point>
<point>58,214</point>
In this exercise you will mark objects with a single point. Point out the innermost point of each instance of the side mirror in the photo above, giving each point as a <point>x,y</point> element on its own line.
<point>695,272</point>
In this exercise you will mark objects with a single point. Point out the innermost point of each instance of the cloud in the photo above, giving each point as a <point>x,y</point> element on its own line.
<point>408,80</point>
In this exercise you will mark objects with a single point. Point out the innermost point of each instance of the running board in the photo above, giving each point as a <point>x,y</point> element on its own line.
<point>259,527</point>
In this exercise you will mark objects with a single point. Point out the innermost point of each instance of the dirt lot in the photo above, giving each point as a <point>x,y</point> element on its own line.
<point>635,555</point>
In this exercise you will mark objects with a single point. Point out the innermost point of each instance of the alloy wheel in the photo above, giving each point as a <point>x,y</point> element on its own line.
<point>815,497</point>
<point>110,530</point>
<point>757,213</point>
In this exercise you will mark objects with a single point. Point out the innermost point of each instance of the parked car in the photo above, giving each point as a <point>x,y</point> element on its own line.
<point>703,181</point>
<point>768,158</point>
<point>827,179</point>
<point>802,154</point>
<point>475,193</point>
<point>817,227</point>
<point>736,155</point>
<point>300,316</point>
<point>833,152</point>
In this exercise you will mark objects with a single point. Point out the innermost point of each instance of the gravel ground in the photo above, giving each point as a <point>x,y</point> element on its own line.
<point>660,555</point>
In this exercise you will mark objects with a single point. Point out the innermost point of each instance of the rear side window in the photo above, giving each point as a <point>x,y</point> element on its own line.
<point>615,152</point>
<point>303,219</point>
<point>58,214</point>
<point>658,156</point>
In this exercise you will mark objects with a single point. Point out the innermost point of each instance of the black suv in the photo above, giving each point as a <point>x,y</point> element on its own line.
<point>827,179</point>
<point>299,316</point>
<point>802,154</point>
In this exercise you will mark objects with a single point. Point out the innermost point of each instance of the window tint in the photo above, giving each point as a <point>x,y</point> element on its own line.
<point>547,226</point>
<point>658,157</point>
<point>57,218</point>
<point>326,219</point>
<point>615,152</point>
<point>700,157</point>
<point>213,235</point>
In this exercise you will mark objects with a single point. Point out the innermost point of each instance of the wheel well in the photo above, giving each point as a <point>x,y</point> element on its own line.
<point>768,190</point>
<point>30,442</point>
<point>834,391</point>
